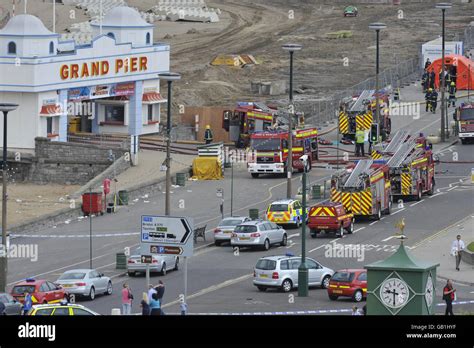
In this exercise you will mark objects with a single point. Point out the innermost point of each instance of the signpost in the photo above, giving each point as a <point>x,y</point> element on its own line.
<point>220,194</point>
<point>147,259</point>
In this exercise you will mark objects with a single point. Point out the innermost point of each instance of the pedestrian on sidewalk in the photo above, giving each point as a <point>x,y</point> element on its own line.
<point>184,308</point>
<point>155,306</point>
<point>448,296</point>
<point>456,248</point>
<point>160,290</point>
<point>127,298</point>
<point>144,304</point>
<point>27,303</point>
<point>151,291</point>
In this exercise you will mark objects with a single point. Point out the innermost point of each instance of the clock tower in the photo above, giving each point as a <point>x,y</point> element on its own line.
<point>401,285</point>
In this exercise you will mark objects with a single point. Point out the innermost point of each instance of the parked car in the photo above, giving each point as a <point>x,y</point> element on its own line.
<point>85,282</point>
<point>287,211</point>
<point>282,272</point>
<point>42,291</point>
<point>348,283</point>
<point>330,217</point>
<point>160,264</point>
<point>223,232</point>
<point>61,309</point>
<point>258,233</point>
<point>12,306</point>
<point>350,11</point>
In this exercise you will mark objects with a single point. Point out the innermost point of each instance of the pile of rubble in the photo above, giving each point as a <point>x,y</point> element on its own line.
<point>186,10</point>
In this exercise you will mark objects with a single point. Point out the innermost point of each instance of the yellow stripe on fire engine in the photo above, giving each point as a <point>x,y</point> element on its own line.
<point>346,200</point>
<point>294,149</point>
<point>414,163</point>
<point>259,116</point>
<point>387,184</point>
<point>356,202</point>
<point>406,183</point>
<point>376,177</point>
<point>261,154</point>
<point>366,202</point>
<point>376,155</point>
<point>343,123</point>
<point>335,195</point>
<point>306,133</point>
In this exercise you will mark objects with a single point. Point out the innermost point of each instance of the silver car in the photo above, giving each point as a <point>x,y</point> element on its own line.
<point>223,232</point>
<point>258,233</point>
<point>12,306</point>
<point>160,264</point>
<point>85,282</point>
<point>282,272</point>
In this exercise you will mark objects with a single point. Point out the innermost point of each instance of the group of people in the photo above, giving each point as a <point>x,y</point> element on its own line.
<point>429,88</point>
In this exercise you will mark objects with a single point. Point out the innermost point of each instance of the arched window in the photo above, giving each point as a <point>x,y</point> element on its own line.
<point>148,38</point>
<point>11,48</point>
<point>111,35</point>
<point>51,47</point>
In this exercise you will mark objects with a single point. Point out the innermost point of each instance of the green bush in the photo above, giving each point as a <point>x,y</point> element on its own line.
<point>470,247</point>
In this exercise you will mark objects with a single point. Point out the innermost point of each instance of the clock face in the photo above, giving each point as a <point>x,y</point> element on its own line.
<point>394,293</point>
<point>429,291</point>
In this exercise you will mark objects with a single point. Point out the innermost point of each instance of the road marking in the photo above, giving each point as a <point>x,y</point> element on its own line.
<point>293,235</point>
<point>398,211</point>
<point>359,229</point>
<point>452,184</point>
<point>291,245</point>
<point>387,239</point>
<point>438,194</point>
<point>317,248</point>
<point>373,223</point>
<point>452,188</point>
<point>411,205</point>
<point>382,218</point>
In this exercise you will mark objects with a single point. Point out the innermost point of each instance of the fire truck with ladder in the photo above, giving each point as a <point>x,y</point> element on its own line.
<point>464,118</point>
<point>269,150</point>
<point>246,118</point>
<point>363,188</point>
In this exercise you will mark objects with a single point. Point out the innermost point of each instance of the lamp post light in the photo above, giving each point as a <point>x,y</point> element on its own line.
<point>377,27</point>
<point>169,77</point>
<point>5,108</point>
<point>443,6</point>
<point>303,268</point>
<point>289,168</point>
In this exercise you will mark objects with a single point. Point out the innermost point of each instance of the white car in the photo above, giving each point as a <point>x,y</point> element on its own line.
<point>223,232</point>
<point>258,233</point>
<point>160,264</point>
<point>85,282</point>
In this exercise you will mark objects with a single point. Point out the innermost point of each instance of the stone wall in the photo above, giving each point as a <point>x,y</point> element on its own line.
<point>68,163</point>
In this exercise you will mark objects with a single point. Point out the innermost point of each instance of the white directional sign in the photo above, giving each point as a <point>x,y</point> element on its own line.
<point>170,235</point>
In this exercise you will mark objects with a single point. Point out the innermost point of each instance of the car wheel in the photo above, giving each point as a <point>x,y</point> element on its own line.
<point>266,245</point>
<point>313,233</point>
<point>389,208</point>
<point>254,175</point>
<point>287,285</point>
<point>350,229</point>
<point>109,289</point>
<point>333,297</point>
<point>378,214</point>
<point>217,242</point>
<point>92,294</point>
<point>262,288</point>
<point>284,241</point>
<point>176,265</point>
<point>325,282</point>
<point>163,269</point>
<point>131,274</point>
<point>357,297</point>
<point>341,231</point>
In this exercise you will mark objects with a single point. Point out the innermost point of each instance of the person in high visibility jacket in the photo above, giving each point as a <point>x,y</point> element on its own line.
<point>360,138</point>
<point>208,135</point>
<point>452,94</point>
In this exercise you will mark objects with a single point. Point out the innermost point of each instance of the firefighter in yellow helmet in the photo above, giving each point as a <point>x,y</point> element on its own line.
<point>428,98</point>
<point>208,135</point>
<point>452,94</point>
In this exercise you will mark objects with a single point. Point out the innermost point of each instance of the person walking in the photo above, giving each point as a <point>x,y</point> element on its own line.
<point>456,248</point>
<point>434,100</point>
<point>360,138</point>
<point>432,79</point>
<point>144,304</point>
<point>27,303</point>
<point>151,291</point>
<point>428,99</point>
<point>155,305</point>
<point>448,296</point>
<point>208,137</point>
<point>127,298</point>
<point>452,95</point>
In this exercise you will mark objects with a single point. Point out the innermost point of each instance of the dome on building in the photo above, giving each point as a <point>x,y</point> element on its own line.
<point>123,16</point>
<point>24,25</point>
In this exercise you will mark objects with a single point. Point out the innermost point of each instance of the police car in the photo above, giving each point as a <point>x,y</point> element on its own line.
<point>288,211</point>
<point>62,309</point>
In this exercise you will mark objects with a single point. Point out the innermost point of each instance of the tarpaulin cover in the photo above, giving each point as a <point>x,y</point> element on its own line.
<point>207,168</point>
<point>464,70</point>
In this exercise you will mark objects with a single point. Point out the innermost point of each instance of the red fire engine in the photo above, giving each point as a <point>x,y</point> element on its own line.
<point>363,189</point>
<point>245,119</point>
<point>270,150</point>
<point>464,118</point>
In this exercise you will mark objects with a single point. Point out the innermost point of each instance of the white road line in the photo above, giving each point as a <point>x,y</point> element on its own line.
<point>396,212</point>
<point>438,194</point>
<point>373,223</point>
<point>359,229</point>
<point>334,240</point>
<point>387,239</point>
<point>317,248</point>
<point>293,235</point>
<point>454,183</point>
<point>383,218</point>
<point>411,205</point>
<point>291,245</point>
<point>452,188</point>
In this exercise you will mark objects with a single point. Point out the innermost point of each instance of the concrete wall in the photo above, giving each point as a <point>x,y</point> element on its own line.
<point>66,163</point>
<point>207,116</point>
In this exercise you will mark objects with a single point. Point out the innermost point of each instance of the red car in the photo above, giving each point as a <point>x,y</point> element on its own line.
<point>42,291</point>
<point>348,283</point>
<point>328,217</point>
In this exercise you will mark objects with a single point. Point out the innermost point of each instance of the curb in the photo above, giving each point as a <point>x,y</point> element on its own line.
<point>455,280</point>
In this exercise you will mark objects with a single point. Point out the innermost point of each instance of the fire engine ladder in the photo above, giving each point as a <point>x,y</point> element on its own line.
<point>402,153</point>
<point>363,166</point>
<point>398,139</point>
<point>263,107</point>
<point>359,104</point>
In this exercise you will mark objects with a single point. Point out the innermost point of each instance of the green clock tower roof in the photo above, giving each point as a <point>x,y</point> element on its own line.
<point>402,260</point>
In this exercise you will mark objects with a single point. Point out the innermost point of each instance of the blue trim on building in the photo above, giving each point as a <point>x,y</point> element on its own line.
<point>63,118</point>
<point>19,35</point>
<point>135,123</point>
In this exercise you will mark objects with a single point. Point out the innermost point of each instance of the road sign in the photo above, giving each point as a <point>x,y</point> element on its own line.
<point>220,192</point>
<point>147,259</point>
<point>170,235</point>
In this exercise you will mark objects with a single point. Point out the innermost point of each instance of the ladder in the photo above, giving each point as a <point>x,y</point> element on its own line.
<point>363,166</point>
<point>402,153</point>
<point>398,139</point>
<point>359,106</point>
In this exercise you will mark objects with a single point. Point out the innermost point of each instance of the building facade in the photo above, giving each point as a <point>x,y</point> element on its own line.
<point>108,86</point>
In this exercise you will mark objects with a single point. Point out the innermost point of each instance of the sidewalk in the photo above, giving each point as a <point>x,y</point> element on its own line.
<point>437,249</point>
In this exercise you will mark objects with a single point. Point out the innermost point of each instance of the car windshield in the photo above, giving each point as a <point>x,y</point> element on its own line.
<point>230,222</point>
<point>21,289</point>
<point>342,277</point>
<point>266,265</point>
<point>246,229</point>
<point>4,299</point>
<point>72,276</point>
<point>279,207</point>
<point>467,115</point>
<point>265,144</point>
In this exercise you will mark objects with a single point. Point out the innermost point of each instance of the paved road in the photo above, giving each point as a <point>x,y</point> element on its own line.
<point>219,280</point>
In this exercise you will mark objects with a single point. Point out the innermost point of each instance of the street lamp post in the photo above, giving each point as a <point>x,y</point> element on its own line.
<point>303,268</point>
<point>5,108</point>
<point>169,77</point>
<point>443,6</point>
<point>289,168</point>
<point>377,27</point>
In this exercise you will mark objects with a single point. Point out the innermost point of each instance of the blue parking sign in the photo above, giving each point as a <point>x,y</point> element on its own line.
<point>145,236</point>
